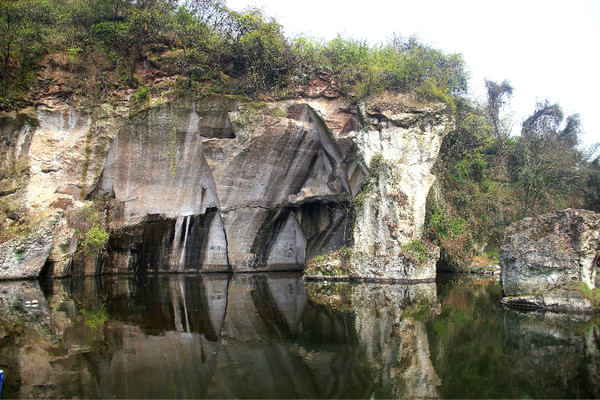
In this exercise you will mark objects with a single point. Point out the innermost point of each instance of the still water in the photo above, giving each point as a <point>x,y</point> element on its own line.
<point>275,336</point>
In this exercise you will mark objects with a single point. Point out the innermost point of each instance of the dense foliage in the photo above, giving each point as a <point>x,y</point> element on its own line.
<point>488,179</point>
<point>108,41</point>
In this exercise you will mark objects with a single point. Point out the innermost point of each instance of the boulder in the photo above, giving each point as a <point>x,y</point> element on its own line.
<point>550,262</point>
<point>25,256</point>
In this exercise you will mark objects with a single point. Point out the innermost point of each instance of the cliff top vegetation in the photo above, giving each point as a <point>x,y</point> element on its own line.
<point>118,44</point>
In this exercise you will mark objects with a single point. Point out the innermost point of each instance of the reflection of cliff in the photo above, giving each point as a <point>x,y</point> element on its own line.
<point>394,338</point>
<point>390,335</point>
<point>215,336</point>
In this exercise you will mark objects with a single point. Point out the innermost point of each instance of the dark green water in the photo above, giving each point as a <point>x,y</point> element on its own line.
<point>275,336</point>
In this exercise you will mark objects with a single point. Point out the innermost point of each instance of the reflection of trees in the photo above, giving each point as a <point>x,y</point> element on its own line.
<point>466,342</point>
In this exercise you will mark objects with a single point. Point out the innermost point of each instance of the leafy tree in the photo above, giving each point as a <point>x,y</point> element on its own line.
<point>261,54</point>
<point>197,39</point>
<point>471,209</point>
<point>468,144</point>
<point>96,30</point>
<point>548,163</point>
<point>498,95</point>
<point>418,66</point>
<point>149,19</point>
<point>24,25</point>
<point>212,13</point>
<point>592,192</point>
<point>309,55</point>
<point>202,27</point>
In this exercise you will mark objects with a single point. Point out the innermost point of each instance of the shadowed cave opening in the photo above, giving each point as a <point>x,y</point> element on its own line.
<point>286,239</point>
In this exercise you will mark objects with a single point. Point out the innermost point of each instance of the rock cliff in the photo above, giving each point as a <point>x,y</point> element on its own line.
<point>223,185</point>
<point>551,261</point>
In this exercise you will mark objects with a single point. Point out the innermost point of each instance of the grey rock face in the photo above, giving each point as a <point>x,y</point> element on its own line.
<point>399,149</point>
<point>547,262</point>
<point>192,199</point>
<point>24,257</point>
<point>219,185</point>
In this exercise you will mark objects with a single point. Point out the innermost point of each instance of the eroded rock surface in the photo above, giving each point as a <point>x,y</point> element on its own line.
<point>550,261</point>
<point>399,150</point>
<point>24,257</point>
<point>224,185</point>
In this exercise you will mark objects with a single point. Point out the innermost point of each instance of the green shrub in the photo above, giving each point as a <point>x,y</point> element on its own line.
<point>246,118</point>
<point>417,250</point>
<point>591,294</point>
<point>95,316</point>
<point>458,226</point>
<point>141,95</point>
<point>404,65</point>
<point>442,226</point>
<point>437,225</point>
<point>418,312</point>
<point>96,239</point>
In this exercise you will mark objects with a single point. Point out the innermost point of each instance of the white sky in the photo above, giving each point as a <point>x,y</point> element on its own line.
<point>547,49</point>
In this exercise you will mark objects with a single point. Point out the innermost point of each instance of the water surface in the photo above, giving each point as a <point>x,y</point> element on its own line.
<point>275,336</point>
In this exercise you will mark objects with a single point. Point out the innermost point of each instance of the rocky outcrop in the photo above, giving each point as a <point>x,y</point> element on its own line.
<point>24,257</point>
<point>262,194</point>
<point>551,261</point>
<point>399,147</point>
<point>224,185</point>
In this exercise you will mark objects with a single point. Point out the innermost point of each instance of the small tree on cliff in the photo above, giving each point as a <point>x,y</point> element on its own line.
<point>592,194</point>
<point>24,26</point>
<point>497,97</point>
<point>198,27</point>
<point>262,56</point>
